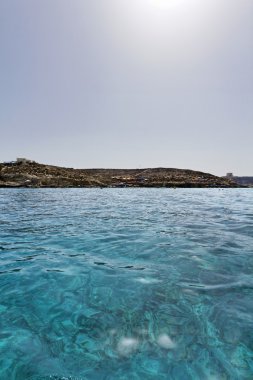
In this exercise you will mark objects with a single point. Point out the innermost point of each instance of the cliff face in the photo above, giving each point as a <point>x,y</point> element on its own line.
<point>33,174</point>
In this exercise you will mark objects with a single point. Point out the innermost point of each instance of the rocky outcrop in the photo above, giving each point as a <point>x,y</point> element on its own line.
<point>32,174</point>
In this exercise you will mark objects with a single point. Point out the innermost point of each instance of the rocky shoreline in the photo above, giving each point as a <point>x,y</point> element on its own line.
<point>34,175</point>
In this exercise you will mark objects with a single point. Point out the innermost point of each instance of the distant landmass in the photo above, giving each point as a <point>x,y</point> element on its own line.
<point>243,181</point>
<point>26,173</point>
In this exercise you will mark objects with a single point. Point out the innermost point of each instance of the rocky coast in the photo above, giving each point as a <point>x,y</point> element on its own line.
<point>34,175</point>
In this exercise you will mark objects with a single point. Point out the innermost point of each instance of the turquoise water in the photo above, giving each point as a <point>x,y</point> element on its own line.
<point>126,284</point>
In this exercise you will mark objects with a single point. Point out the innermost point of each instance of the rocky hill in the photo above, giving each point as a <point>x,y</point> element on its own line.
<point>32,174</point>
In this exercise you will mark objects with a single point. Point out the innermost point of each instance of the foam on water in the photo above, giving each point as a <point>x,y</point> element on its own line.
<point>126,284</point>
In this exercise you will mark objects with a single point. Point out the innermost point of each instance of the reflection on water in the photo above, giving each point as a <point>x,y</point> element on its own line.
<point>126,284</point>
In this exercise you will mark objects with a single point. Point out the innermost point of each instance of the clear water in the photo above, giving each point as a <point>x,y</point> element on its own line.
<point>126,284</point>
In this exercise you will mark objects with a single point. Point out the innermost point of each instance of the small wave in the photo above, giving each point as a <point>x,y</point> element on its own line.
<point>147,281</point>
<point>232,285</point>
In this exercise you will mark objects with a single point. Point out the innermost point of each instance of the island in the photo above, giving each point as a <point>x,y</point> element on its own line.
<point>30,174</point>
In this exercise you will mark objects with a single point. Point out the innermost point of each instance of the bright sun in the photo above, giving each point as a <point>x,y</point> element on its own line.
<point>165,4</point>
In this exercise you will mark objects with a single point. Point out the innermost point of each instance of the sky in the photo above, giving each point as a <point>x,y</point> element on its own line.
<point>128,83</point>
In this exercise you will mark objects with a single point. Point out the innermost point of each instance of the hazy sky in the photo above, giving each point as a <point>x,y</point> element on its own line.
<point>128,83</point>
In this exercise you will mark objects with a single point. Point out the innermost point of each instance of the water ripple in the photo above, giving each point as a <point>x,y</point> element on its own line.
<point>126,283</point>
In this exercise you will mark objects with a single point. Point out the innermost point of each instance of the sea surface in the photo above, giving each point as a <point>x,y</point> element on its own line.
<point>126,284</point>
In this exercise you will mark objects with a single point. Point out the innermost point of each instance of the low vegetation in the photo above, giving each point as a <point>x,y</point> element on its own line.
<point>32,174</point>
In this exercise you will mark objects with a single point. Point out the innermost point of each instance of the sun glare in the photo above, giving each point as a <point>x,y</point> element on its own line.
<point>166,4</point>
